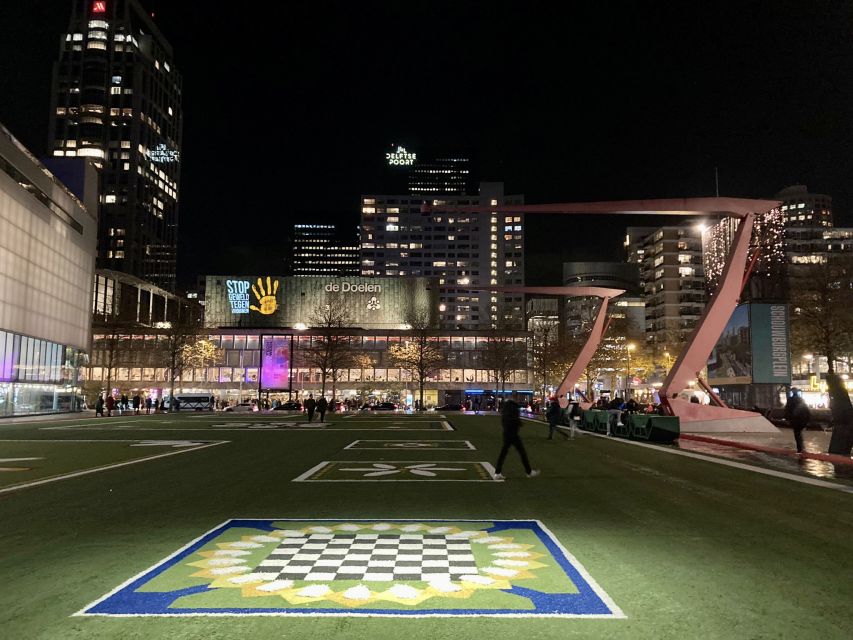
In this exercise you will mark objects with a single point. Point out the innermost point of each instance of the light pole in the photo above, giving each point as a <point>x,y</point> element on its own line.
<point>630,347</point>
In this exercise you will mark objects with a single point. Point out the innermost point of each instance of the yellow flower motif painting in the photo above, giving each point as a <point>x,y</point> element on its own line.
<point>265,296</point>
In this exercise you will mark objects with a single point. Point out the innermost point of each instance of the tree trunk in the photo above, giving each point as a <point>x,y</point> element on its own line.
<point>421,392</point>
<point>323,376</point>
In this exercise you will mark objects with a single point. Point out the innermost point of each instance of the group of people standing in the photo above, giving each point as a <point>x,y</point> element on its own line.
<point>123,404</point>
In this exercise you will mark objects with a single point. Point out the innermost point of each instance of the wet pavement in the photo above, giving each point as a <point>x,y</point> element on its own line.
<point>814,442</point>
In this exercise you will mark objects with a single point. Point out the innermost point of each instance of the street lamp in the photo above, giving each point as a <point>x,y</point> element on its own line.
<point>630,347</point>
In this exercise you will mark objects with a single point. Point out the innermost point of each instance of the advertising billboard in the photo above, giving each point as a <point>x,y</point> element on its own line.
<point>275,363</point>
<point>754,347</point>
<point>276,302</point>
<point>771,351</point>
<point>731,359</point>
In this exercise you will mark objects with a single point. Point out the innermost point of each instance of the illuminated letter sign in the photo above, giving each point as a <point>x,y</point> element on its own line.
<point>238,295</point>
<point>99,7</point>
<point>264,292</point>
<point>162,154</point>
<point>401,157</point>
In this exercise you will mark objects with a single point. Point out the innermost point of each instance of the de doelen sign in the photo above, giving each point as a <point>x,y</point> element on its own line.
<point>349,287</point>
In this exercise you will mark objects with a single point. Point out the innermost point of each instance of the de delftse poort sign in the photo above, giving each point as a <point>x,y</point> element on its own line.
<point>261,301</point>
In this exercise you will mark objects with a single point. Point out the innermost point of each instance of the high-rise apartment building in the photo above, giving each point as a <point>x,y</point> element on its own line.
<point>803,209</point>
<point>402,237</point>
<point>440,176</point>
<point>322,250</point>
<point>672,280</point>
<point>116,99</point>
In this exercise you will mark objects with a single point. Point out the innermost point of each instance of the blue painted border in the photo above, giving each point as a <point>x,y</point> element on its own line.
<point>126,601</point>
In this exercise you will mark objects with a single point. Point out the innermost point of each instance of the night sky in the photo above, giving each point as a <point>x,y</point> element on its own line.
<point>289,106</point>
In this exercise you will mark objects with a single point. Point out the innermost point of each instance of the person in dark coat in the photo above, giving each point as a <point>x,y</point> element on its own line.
<point>322,407</point>
<point>148,404</point>
<point>798,415</point>
<point>841,441</point>
<point>511,422</point>
<point>99,407</point>
<point>553,414</point>
<point>137,402</point>
<point>110,404</point>
<point>310,405</point>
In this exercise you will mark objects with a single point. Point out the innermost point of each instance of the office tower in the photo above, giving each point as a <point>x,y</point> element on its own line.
<point>401,238</point>
<point>116,100</point>
<point>47,250</point>
<point>322,250</point>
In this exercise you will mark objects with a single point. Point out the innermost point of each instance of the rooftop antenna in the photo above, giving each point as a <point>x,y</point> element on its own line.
<point>717,180</point>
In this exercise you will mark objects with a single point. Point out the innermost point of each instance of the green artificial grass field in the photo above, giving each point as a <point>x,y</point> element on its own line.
<point>683,548</point>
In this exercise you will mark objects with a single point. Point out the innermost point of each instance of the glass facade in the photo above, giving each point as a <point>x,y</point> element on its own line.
<point>37,376</point>
<point>237,373</point>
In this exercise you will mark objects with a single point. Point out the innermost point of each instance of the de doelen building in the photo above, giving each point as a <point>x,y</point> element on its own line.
<point>286,304</point>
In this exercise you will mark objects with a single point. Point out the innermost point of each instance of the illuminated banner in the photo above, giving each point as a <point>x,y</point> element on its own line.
<point>275,363</point>
<point>731,360</point>
<point>754,347</point>
<point>771,353</point>
<point>401,157</point>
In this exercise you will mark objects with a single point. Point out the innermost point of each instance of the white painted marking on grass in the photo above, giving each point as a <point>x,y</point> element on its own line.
<point>84,472</point>
<point>402,443</point>
<point>488,468</point>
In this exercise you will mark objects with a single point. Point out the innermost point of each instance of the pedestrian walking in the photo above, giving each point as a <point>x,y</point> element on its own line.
<point>553,415</point>
<point>99,407</point>
<point>137,402</point>
<point>148,404</point>
<point>310,405</point>
<point>511,423</point>
<point>110,404</point>
<point>125,403</point>
<point>798,415</point>
<point>322,407</point>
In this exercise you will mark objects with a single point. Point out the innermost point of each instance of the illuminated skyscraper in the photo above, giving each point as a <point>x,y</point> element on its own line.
<point>321,250</point>
<point>116,99</point>
<point>400,238</point>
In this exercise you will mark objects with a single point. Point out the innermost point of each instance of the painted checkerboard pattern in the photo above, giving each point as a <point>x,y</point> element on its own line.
<point>370,558</point>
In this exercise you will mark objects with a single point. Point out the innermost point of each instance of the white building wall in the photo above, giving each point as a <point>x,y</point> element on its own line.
<point>46,265</point>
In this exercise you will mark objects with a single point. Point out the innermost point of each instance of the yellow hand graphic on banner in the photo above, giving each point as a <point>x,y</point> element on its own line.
<point>266,297</point>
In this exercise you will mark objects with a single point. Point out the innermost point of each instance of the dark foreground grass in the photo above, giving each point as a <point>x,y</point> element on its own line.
<point>687,549</point>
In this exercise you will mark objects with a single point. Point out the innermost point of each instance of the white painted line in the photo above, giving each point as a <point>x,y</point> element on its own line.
<point>601,593</point>
<point>84,472</point>
<point>468,445</point>
<point>488,467</point>
<point>144,571</point>
<point>313,469</point>
<point>815,482</point>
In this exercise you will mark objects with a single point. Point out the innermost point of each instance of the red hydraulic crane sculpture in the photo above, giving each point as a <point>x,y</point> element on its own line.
<point>712,322</point>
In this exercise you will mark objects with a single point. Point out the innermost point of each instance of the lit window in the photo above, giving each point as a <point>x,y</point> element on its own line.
<point>95,44</point>
<point>110,199</point>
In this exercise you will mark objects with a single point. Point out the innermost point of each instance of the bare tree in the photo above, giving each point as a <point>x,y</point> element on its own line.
<point>175,352</point>
<point>544,345</point>
<point>821,300</point>
<point>201,354</point>
<point>503,355</point>
<point>421,353</point>
<point>114,353</point>
<point>330,352</point>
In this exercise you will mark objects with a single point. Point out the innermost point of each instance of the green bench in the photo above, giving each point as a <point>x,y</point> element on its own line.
<point>655,428</point>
